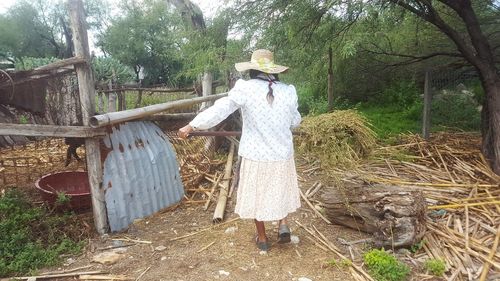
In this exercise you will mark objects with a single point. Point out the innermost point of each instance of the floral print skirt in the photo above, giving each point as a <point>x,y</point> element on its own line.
<point>267,191</point>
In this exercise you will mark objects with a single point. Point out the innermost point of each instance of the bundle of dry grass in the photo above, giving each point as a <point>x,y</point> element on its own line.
<point>339,138</point>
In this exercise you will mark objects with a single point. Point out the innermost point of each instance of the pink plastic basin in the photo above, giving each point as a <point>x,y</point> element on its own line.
<point>75,185</point>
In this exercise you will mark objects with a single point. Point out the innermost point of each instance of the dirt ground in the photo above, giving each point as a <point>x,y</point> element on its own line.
<point>224,252</point>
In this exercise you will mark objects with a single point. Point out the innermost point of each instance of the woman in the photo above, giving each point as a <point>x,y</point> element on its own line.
<point>268,188</point>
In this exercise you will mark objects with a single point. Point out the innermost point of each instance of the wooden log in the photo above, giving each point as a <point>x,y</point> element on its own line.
<point>137,113</point>
<point>50,131</point>
<point>59,64</point>
<point>395,216</point>
<point>221,201</point>
<point>87,100</point>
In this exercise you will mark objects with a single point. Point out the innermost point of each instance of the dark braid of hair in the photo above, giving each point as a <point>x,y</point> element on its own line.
<point>254,74</point>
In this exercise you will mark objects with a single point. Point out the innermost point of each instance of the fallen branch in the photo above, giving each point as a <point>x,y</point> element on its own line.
<point>51,276</point>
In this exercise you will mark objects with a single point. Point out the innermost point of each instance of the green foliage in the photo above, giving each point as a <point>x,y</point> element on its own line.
<point>456,111</point>
<point>23,119</point>
<point>344,263</point>
<point>384,266</point>
<point>30,238</point>
<point>402,94</point>
<point>389,120</point>
<point>436,267</point>
<point>416,247</point>
<point>62,199</point>
<point>41,28</point>
<point>105,68</point>
<point>27,63</point>
<point>310,103</point>
<point>146,35</point>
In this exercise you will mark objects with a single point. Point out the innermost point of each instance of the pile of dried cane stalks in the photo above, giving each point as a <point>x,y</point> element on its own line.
<point>463,197</point>
<point>340,138</point>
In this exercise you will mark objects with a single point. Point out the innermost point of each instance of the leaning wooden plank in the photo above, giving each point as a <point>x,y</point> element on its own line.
<point>221,202</point>
<point>137,113</point>
<point>49,131</point>
<point>58,275</point>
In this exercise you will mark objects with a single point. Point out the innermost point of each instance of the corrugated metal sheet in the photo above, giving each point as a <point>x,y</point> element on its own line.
<point>141,174</point>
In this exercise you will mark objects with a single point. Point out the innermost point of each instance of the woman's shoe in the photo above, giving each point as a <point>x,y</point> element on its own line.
<point>262,245</point>
<point>284,234</point>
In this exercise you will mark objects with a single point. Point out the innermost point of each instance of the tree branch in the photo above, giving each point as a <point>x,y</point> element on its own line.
<point>465,11</point>
<point>433,17</point>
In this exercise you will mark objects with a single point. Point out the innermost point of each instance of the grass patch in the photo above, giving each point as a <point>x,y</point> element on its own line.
<point>436,267</point>
<point>384,266</point>
<point>389,121</point>
<point>31,237</point>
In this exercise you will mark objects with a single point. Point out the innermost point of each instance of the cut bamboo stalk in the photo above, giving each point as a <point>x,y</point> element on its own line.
<point>467,228</point>
<point>104,277</point>
<point>203,230</point>
<point>328,245</point>
<point>214,185</point>
<point>222,200</point>
<point>52,276</point>
<point>449,206</point>
<point>487,264</point>
<point>313,208</point>
<point>205,247</point>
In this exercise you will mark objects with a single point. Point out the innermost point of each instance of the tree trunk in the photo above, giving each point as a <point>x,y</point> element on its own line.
<point>395,216</point>
<point>490,120</point>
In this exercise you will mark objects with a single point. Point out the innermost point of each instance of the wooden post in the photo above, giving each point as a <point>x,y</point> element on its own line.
<point>139,99</point>
<point>330,79</point>
<point>87,100</point>
<point>426,120</point>
<point>100,104</point>
<point>111,96</point>
<point>206,85</point>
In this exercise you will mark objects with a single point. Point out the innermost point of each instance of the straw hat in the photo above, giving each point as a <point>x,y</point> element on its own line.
<point>262,60</point>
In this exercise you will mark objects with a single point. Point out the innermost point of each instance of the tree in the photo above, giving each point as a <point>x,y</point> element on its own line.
<point>360,33</point>
<point>41,28</point>
<point>146,35</point>
<point>474,45</point>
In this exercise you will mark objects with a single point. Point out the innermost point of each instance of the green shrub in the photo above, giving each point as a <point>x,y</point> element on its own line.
<point>436,267</point>
<point>27,63</point>
<point>400,93</point>
<point>105,68</point>
<point>30,237</point>
<point>384,266</point>
<point>455,111</point>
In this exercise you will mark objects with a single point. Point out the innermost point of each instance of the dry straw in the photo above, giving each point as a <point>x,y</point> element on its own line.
<point>337,139</point>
